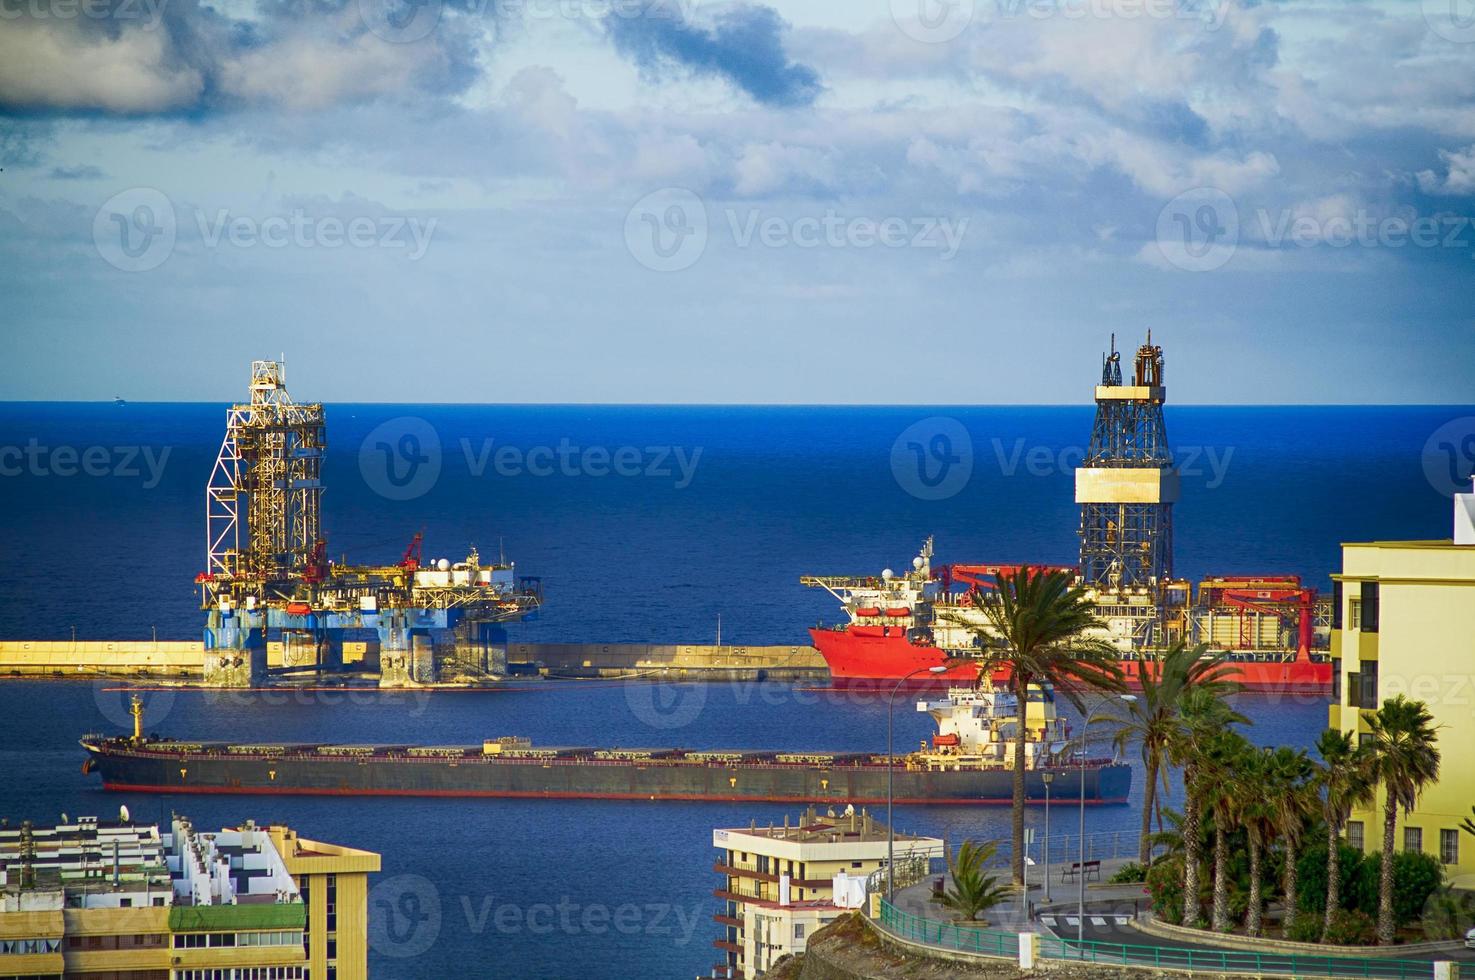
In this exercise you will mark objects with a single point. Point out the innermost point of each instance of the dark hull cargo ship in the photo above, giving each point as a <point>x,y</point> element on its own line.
<point>969,762</point>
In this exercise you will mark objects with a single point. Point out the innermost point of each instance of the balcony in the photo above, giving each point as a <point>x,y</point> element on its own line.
<point>724,944</point>
<point>728,920</point>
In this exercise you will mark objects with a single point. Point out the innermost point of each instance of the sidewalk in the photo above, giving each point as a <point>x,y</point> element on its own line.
<point>1009,916</point>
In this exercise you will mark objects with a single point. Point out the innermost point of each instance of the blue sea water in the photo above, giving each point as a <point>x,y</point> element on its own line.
<point>102,530</point>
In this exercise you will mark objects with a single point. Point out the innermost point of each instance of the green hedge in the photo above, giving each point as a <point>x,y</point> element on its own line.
<point>230,918</point>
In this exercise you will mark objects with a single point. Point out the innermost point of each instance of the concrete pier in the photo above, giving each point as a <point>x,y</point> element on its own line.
<point>406,660</point>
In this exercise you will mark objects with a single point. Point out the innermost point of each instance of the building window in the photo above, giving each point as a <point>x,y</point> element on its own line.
<point>1369,680</point>
<point>798,930</point>
<point>1449,847</point>
<point>1337,680</point>
<point>1354,613</point>
<point>1336,605</point>
<point>1368,622</point>
<point>1354,834</point>
<point>1365,738</point>
<point>1413,839</point>
<point>1354,690</point>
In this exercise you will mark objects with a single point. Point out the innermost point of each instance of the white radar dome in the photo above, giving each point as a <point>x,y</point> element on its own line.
<point>444,564</point>
<point>887,574</point>
<point>917,562</point>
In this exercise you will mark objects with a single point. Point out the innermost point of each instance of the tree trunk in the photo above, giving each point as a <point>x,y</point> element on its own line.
<point>1221,875</point>
<point>1385,878</point>
<point>1333,877</point>
<point>1021,739</point>
<point>1144,849</point>
<point>1192,911</point>
<point>1289,886</point>
<point>1254,917</point>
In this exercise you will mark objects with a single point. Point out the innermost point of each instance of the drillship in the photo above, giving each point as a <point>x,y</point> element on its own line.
<point>968,761</point>
<point>1272,628</point>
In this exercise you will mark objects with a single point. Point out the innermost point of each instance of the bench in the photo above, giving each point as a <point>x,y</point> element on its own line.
<point>1069,872</point>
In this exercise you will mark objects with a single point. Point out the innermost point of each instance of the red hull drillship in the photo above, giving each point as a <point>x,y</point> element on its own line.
<point>901,625</point>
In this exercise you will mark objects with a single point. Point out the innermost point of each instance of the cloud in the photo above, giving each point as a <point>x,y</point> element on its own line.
<point>744,47</point>
<point>1459,178</point>
<point>82,171</point>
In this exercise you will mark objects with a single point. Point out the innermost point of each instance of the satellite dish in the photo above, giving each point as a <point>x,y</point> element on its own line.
<point>123,814</point>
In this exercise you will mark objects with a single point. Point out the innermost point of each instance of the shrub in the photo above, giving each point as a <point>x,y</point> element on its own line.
<point>1416,876</point>
<point>1304,928</point>
<point>1448,914</point>
<point>1128,873</point>
<point>1352,929</point>
<point>1165,885</point>
<point>1311,877</point>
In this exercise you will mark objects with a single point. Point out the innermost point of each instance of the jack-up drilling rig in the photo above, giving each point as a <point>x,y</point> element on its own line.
<point>276,606</point>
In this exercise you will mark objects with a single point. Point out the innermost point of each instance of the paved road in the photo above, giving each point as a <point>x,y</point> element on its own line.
<point>1109,922</point>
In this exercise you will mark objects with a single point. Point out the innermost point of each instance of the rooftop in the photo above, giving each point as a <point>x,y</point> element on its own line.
<point>813,827</point>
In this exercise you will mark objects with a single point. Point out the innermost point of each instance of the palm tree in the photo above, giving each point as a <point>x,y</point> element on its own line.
<point>1224,791</point>
<point>1289,795</point>
<point>1345,780</point>
<point>1405,759</point>
<point>1040,624</point>
<point>1253,807</point>
<point>1153,720</point>
<point>974,889</point>
<point>1203,714</point>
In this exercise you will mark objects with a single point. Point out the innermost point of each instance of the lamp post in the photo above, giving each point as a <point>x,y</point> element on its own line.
<point>1047,778</point>
<point>1085,732</point>
<point>891,772</point>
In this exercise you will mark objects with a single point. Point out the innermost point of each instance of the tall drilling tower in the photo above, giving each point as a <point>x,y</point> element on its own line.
<point>1127,484</point>
<point>275,605</point>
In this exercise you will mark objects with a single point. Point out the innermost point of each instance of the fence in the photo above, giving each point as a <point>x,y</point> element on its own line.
<point>1004,945</point>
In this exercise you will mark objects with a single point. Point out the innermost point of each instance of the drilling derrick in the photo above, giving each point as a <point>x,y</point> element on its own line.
<point>1126,488</point>
<point>275,605</point>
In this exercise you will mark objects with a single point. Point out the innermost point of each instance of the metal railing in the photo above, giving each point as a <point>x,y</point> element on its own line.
<point>1004,945</point>
<point>949,935</point>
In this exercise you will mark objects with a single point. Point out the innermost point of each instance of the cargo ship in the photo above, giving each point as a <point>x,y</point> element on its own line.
<point>968,761</point>
<point>1271,628</point>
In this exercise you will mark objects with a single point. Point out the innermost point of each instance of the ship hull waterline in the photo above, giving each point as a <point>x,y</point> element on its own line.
<point>157,772</point>
<point>857,660</point>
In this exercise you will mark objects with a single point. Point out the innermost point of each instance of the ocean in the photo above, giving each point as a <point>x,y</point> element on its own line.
<point>645,523</point>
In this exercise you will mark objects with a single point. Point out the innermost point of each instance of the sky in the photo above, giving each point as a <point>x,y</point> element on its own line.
<point>691,201</point>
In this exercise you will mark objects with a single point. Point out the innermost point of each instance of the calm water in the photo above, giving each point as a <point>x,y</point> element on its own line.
<point>566,889</point>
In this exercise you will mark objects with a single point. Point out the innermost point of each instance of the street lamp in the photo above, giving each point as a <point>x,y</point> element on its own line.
<point>1085,732</point>
<point>1047,778</point>
<point>891,773</point>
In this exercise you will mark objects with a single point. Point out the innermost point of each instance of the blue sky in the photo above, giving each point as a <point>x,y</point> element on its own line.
<point>868,201</point>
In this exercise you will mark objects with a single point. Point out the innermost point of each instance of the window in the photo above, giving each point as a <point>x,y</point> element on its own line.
<point>1336,605</point>
<point>1354,834</point>
<point>1368,697</point>
<point>1354,613</point>
<point>1337,680</point>
<point>1368,622</point>
<point>798,930</point>
<point>1365,738</point>
<point>1354,690</point>
<point>1413,839</point>
<point>1449,847</point>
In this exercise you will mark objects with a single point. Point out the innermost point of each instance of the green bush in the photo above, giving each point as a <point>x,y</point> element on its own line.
<point>1311,877</point>
<point>1165,886</point>
<point>1416,876</point>
<point>1127,874</point>
<point>1448,914</point>
<point>1304,928</point>
<point>1352,929</point>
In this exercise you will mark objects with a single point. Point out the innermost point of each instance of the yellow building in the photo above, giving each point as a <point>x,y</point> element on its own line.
<point>779,883</point>
<point>1404,623</point>
<point>334,884</point>
<point>123,900</point>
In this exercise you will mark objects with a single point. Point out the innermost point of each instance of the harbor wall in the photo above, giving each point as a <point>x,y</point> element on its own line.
<point>185,659</point>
